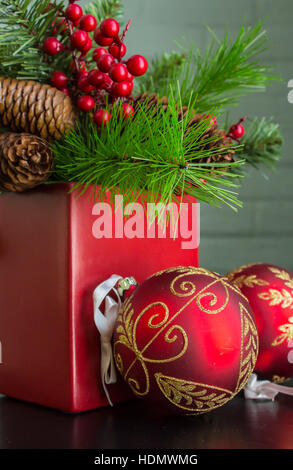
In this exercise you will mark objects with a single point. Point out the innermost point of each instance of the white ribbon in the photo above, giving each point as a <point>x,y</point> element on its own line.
<point>264,389</point>
<point>105,324</point>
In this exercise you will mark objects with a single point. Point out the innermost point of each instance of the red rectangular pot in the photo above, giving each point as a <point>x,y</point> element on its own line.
<point>50,263</point>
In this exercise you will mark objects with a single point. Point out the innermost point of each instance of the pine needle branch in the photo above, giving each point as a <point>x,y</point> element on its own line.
<point>220,75</point>
<point>153,156</point>
<point>102,9</point>
<point>262,144</point>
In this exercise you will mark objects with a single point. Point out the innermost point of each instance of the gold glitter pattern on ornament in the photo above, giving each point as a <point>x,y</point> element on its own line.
<point>276,297</point>
<point>192,396</point>
<point>249,348</point>
<point>276,379</point>
<point>287,333</point>
<point>231,274</point>
<point>127,336</point>
<point>281,274</point>
<point>249,281</point>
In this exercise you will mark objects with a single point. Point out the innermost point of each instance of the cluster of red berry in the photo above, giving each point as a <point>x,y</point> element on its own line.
<point>110,79</point>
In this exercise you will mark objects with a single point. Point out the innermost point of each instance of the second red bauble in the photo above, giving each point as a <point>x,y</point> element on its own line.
<point>186,340</point>
<point>269,290</point>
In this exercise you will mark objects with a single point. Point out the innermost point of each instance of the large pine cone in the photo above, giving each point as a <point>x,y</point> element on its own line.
<point>218,136</point>
<point>25,161</point>
<point>35,108</point>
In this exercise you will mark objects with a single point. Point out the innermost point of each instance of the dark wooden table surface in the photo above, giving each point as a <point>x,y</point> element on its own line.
<point>240,424</point>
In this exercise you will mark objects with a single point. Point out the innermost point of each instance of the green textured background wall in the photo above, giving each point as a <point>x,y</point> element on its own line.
<point>263,229</point>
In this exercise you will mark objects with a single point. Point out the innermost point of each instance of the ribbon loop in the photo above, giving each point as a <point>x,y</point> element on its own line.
<point>105,324</point>
<point>264,389</point>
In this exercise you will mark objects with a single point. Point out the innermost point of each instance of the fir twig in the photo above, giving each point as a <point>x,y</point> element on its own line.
<point>262,143</point>
<point>218,76</point>
<point>152,156</point>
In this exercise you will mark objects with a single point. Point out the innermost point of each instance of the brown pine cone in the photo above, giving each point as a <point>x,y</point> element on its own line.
<point>35,108</point>
<point>218,136</point>
<point>25,161</point>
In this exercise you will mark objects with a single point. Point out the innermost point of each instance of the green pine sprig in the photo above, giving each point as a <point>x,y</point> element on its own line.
<point>102,9</point>
<point>261,144</point>
<point>153,156</point>
<point>220,75</point>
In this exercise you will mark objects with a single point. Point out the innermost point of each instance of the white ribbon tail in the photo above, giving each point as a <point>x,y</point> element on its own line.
<point>264,389</point>
<point>105,324</point>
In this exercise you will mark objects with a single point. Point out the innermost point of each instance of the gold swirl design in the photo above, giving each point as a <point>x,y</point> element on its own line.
<point>189,396</point>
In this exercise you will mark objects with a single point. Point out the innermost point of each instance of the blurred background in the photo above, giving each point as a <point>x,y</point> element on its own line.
<point>262,231</point>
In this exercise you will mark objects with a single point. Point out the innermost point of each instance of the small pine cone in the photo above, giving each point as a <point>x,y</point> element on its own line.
<point>35,108</point>
<point>219,138</point>
<point>25,161</point>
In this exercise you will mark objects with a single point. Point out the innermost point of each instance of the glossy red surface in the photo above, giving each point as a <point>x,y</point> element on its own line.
<point>269,290</point>
<point>50,262</point>
<point>186,340</point>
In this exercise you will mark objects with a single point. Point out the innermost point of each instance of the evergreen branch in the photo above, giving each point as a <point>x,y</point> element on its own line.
<point>219,76</point>
<point>24,24</point>
<point>102,9</point>
<point>262,143</point>
<point>152,155</point>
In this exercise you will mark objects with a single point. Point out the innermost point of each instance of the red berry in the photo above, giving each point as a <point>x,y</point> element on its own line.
<point>130,86</point>
<point>52,46</point>
<point>59,80</point>
<point>117,51</point>
<point>84,85</point>
<point>102,117</point>
<point>95,77</point>
<point>118,72</point>
<point>98,52</point>
<point>109,27</point>
<point>127,111</point>
<point>121,89</point>
<point>105,62</point>
<point>88,23</point>
<point>237,130</point>
<point>101,39</point>
<point>137,65</point>
<point>87,47</point>
<point>130,77</point>
<point>85,103</point>
<point>79,39</point>
<point>65,90</point>
<point>73,12</point>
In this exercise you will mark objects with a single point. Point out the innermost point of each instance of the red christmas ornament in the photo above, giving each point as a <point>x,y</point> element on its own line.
<point>109,27</point>
<point>52,46</point>
<point>88,23</point>
<point>269,290</point>
<point>73,12</point>
<point>137,65</point>
<point>101,39</point>
<point>59,80</point>
<point>117,51</point>
<point>101,117</point>
<point>85,103</point>
<point>118,72</point>
<point>186,340</point>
